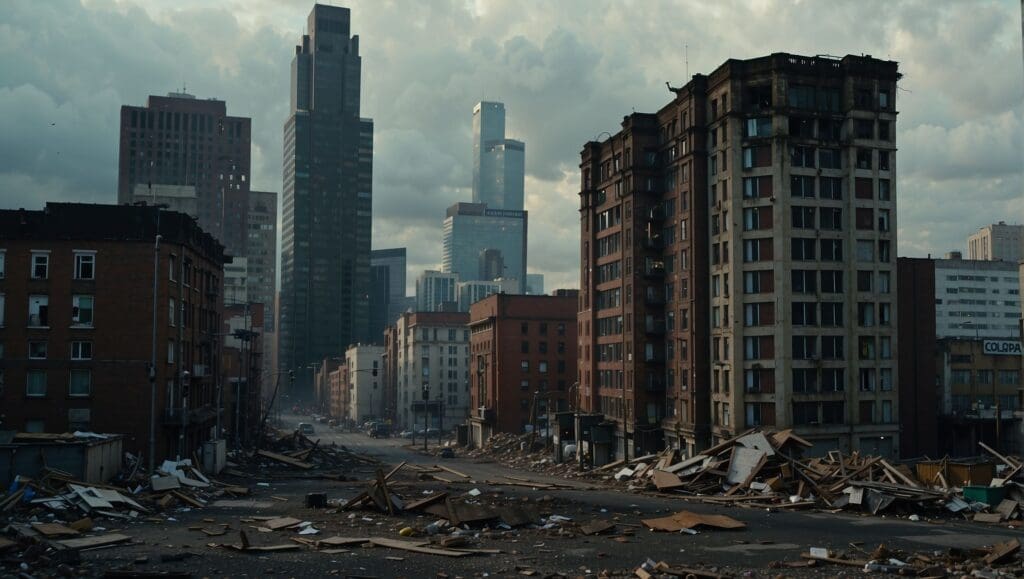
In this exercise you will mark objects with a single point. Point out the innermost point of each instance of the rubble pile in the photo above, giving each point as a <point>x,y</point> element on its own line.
<point>294,450</point>
<point>763,469</point>
<point>524,451</point>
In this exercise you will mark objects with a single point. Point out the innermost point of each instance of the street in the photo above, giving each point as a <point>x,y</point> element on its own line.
<point>770,535</point>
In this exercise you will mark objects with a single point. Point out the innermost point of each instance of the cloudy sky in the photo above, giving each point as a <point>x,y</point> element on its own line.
<point>567,71</point>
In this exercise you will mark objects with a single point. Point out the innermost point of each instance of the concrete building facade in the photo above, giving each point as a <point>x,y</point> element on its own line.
<point>76,324</point>
<point>781,171</point>
<point>433,358</point>
<point>977,299</point>
<point>523,355</point>
<point>437,291</point>
<point>327,200</point>
<point>997,242</point>
<point>363,365</point>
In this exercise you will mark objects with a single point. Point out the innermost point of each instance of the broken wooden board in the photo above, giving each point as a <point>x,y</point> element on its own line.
<point>94,542</point>
<point>283,458</point>
<point>281,523</point>
<point>517,515</point>
<point>991,518</point>
<point>164,483</point>
<point>1007,507</point>
<point>667,480</point>
<point>757,441</point>
<point>342,541</point>
<point>744,464</point>
<point>426,501</point>
<point>688,520</point>
<point>54,529</point>
<point>1002,551</point>
<point>597,526</point>
<point>417,547</point>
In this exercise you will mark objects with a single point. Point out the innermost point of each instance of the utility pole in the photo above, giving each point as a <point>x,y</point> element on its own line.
<point>152,362</point>
<point>426,401</point>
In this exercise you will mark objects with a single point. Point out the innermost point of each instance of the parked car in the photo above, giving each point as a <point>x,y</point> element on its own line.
<point>447,452</point>
<point>380,430</point>
<point>433,431</point>
<point>406,434</point>
<point>306,428</point>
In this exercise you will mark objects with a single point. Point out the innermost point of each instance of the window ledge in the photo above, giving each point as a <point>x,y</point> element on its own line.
<point>39,327</point>
<point>81,327</point>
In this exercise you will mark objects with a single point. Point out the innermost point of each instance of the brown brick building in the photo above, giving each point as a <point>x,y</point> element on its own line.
<point>738,259</point>
<point>523,355</point>
<point>76,324</point>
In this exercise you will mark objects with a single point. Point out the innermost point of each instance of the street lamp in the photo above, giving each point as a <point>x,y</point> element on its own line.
<point>426,401</point>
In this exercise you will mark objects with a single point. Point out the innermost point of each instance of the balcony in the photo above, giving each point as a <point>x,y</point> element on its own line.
<point>654,327</point>
<point>654,357</point>
<point>654,297</point>
<point>655,383</point>
<point>654,243</point>
<point>487,415</point>
<point>654,269</point>
<point>656,213</point>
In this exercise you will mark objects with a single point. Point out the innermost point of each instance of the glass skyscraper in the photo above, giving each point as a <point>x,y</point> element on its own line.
<point>498,163</point>
<point>472,229</point>
<point>327,200</point>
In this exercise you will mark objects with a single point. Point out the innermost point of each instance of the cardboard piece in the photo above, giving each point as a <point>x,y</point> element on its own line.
<point>94,542</point>
<point>687,520</point>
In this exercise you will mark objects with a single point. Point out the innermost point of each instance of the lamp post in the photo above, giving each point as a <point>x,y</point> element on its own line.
<point>426,400</point>
<point>440,417</point>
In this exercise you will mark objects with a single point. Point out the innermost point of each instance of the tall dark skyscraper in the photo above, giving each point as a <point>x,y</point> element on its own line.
<point>191,144</point>
<point>387,293</point>
<point>327,203</point>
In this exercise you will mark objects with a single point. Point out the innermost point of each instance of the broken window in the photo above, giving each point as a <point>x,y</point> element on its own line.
<point>82,310</point>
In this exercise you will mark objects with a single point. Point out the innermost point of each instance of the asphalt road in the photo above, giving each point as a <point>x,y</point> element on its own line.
<point>769,536</point>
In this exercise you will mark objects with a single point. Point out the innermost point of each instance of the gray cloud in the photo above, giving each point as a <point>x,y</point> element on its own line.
<point>566,70</point>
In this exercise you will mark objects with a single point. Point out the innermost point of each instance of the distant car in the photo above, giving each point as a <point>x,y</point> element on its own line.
<point>447,453</point>
<point>433,432</point>
<point>380,430</point>
<point>406,434</point>
<point>306,428</point>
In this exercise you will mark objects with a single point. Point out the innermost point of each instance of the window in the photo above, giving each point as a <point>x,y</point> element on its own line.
<point>758,347</point>
<point>754,187</point>
<point>801,127</point>
<point>804,281</point>
<point>805,314</point>
<point>960,376</point>
<point>803,217</point>
<point>803,248</point>
<point>865,314</point>
<point>35,383</point>
<point>883,99</point>
<point>865,250</point>
<point>864,281</point>
<point>755,218</point>
<point>832,218</point>
<point>1009,377</point>
<point>85,265</point>
<point>833,412</point>
<point>37,350</point>
<point>864,188</point>
<point>865,219</point>
<point>3,264</point>
<point>864,129</point>
<point>883,220</point>
<point>759,127</point>
<point>170,352</point>
<point>171,312</point>
<point>757,250</point>
<point>883,160</point>
<point>758,314</point>
<point>800,96</point>
<point>800,156</point>
<point>40,265</point>
<point>755,282</point>
<point>80,383</point>
<point>805,413</point>
<point>830,159</point>
<point>867,379</point>
<point>864,158</point>
<point>542,347</point>
<point>883,251</point>
<point>832,314</point>
<point>832,348</point>
<point>38,311</point>
<point>885,379</point>
<point>524,385</point>
<point>524,365</point>
<point>867,412</point>
<point>832,250</point>
<point>2,304</point>
<point>831,188</point>
<point>757,157</point>
<point>801,186</point>
<point>885,348</point>
<point>805,380</point>
<point>831,281</point>
<point>884,192</point>
<point>804,347</point>
<point>524,347</point>
<point>884,314</point>
<point>542,367</point>
<point>81,350</point>
<point>82,310</point>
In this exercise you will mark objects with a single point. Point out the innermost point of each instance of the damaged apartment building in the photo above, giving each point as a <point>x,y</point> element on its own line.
<point>738,260</point>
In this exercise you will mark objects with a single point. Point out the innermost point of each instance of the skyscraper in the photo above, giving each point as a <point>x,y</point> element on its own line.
<point>261,251</point>
<point>471,233</point>
<point>498,163</point>
<point>183,141</point>
<point>387,291</point>
<point>328,161</point>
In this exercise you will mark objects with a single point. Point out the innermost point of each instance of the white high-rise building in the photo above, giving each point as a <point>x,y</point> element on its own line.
<point>997,242</point>
<point>432,357</point>
<point>976,298</point>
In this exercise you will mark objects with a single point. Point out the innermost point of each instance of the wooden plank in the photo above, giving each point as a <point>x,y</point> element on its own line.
<point>281,523</point>
<point>425,502</point>
<point>452,471</point>
<point>185,498</point>
<point>54,529</point>
<point>847,562</point>
<point>342,541</point>
<point>666,481</point>
<point>382,483</point>
<point>1001,551</point>
<point>1012,463</point>
<point>284,459</point>
<point>395,470</point>
<point>94,542</point>
<point>906,480</point>
<point>416,547</point>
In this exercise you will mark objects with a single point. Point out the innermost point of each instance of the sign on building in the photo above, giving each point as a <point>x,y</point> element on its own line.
<point>1002,348</point>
